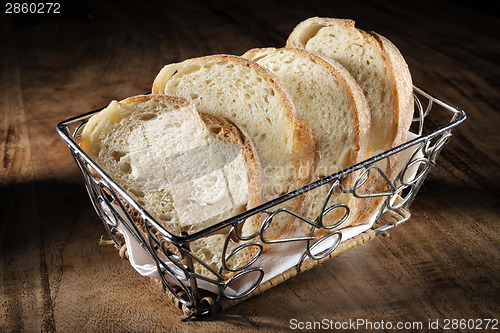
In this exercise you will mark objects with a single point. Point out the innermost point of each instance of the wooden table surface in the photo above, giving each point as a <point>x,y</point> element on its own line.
<point>54,275</point>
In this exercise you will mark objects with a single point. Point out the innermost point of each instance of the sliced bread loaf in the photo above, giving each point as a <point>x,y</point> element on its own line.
<point>375,63</point>
<point>327,97</point>
<point>383,75</point>
<point>187,170</point>
<point>248,94</point>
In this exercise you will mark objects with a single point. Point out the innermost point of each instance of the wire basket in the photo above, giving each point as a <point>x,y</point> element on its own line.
<point>172,262</point>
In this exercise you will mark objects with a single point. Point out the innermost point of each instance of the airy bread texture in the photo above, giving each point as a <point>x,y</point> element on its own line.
<point>327,97</point>
<point>375,63</point>
<point>248,94</point>
<point>187,170</point>
<point>383,75</point>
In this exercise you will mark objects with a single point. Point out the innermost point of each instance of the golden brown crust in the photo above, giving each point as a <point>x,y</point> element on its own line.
<point>401,77</point>
<point>309,27</point>
<point>355,94</point>
<point>174,100</point>
<point>402,80</point>
<point>306,148</point>
<point>226,130</point>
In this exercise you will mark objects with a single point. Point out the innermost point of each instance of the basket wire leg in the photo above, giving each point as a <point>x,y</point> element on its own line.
<point>194,284</point>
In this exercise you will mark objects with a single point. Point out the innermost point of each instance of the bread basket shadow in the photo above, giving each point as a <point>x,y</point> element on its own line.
<point>168,258</point>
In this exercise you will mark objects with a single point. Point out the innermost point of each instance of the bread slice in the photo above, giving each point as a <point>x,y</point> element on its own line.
<point>248,94</point>
<point>327,97</point>
<point>383,75</point>
<point>188,171</point>
<point>378,67</point>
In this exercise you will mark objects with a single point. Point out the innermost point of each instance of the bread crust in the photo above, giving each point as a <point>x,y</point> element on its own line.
<point>226,130</point>
<point>355,95</point>
<point>402,79</point>
<point>362,130</point>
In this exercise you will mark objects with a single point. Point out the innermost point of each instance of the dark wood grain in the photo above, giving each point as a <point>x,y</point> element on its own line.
<point>54,274</point>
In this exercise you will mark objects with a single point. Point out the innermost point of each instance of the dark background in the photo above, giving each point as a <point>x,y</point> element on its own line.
<point>54,276</point>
